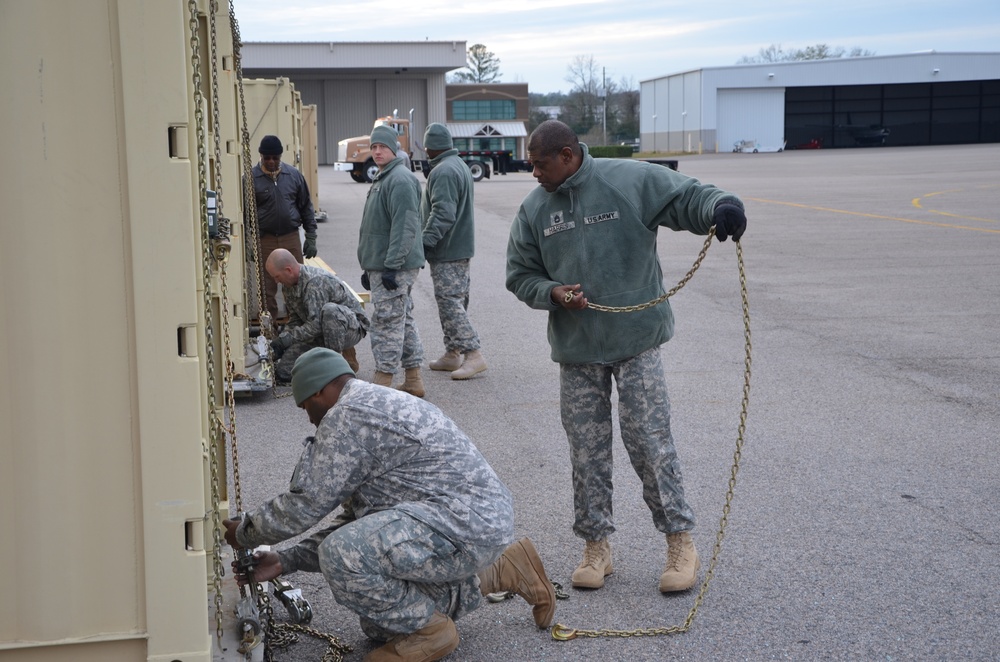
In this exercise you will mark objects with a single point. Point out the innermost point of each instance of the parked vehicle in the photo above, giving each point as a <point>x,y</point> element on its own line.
<point>354,154</point>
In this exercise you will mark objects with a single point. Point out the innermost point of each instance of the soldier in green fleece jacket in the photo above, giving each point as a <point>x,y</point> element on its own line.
<point>588,234</point>
<point>391,253</point>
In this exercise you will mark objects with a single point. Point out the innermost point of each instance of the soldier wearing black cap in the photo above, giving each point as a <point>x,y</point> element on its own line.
<point>283,206</point>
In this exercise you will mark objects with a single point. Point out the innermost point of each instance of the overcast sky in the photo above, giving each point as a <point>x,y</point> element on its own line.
<point>536,40</point>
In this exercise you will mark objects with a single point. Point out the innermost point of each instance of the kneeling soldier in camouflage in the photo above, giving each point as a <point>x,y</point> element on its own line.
<point>427,525</point>
<point>322,312</point>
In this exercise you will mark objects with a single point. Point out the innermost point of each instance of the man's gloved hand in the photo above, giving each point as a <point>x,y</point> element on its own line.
<point>730,221</point>
<point>279,345</point>
<point>309,248</point>
<point>389,279</point>
<point>365,281</point>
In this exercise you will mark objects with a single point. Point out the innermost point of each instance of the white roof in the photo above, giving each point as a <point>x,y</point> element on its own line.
<point>486,129</point>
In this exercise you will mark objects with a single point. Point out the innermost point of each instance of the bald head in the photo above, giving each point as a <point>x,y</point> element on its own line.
<point>283,267</point>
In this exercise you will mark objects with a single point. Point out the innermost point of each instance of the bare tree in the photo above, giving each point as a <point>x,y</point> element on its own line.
<point>775,53</point>
<point>625,102</point>
<point>581,110</point>
<point>482,66</point>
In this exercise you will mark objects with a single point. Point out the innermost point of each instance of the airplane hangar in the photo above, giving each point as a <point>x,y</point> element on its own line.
<point>925,98</point>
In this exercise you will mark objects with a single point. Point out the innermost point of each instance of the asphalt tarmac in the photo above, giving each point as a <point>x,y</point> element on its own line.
<point>864,523</point>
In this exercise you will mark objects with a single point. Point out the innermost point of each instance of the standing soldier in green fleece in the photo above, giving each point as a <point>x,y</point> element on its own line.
<point>426,527</point>
<point>391,254</point>
<point>588,233</point>
<point>449,242</point>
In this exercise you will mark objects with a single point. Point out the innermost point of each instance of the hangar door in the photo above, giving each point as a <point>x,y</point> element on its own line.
<point>751,114</point>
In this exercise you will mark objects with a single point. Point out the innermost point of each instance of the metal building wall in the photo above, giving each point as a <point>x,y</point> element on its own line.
<point>930,67</point>
<point>671,116</point>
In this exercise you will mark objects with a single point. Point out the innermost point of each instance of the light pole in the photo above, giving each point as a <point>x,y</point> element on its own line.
<point>654,133</point>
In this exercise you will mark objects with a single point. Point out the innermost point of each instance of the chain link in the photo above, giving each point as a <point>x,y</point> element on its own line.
<point>663,297</point>
<point>215,432</point>
<point>563,633</point>
<point>251,233</point>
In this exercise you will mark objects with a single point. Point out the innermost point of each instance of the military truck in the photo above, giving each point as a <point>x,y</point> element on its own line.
<point>354,154</point>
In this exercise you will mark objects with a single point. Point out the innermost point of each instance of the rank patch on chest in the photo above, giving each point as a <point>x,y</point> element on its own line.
<point>600,218</point>
<point>557,224</point>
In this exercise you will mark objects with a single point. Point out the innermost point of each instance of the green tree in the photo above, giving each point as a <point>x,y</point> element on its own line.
<point>482,66</point>
<point>775,53</point>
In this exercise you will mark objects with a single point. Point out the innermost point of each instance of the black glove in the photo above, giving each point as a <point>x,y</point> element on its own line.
<point>278,347</point>
<point>389,279</point>
<point>730,221</point>
<point>309,248</point>
<point>365,282</point>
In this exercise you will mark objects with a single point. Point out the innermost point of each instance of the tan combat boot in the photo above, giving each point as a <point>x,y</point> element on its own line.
<point>595,566</point>
<point>681,572</point>
<point>351,357</point>
<point>519,570</point>
<point>413,384</point>
<point>474,364</point>
<point>431,642</point>
<point>382,378</point>
<point>450,360</point>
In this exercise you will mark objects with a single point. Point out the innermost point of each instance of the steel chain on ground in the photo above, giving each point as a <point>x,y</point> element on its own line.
<point>215,433</point>
<point>563,633</point>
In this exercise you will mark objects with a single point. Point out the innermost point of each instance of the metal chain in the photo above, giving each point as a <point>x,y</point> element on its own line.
<point>251,233</point>
<point>563,633</point>
<point>283,635</point>
<point>660,299</point>
<point>276,635</point>
<point>215,432</point>
<point>221,254</point>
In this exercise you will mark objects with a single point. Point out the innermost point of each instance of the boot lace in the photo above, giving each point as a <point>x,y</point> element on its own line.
<point>593,555</point>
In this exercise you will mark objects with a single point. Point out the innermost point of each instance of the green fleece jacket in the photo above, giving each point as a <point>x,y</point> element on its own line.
<point>446,207</point>
<point>599,229</point>
<point>390,223</point>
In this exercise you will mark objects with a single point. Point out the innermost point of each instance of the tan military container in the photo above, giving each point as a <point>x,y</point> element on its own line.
<point>114,346</point>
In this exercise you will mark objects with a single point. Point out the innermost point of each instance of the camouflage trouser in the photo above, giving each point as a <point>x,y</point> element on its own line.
<point>341,329</point>
<point>395,340</point>
<point>451,290</point>
<point>395,572</point>
<point>644,416</point>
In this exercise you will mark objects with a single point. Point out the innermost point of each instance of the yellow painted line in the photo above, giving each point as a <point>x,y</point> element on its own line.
<point>916,203</point>
<point>879,216</point>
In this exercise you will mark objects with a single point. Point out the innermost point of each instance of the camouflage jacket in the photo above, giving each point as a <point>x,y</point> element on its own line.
<point>305,300</point>
<point>376,449</point>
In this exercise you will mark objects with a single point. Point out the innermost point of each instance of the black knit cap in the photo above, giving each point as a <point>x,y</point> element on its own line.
<point>271,146</point>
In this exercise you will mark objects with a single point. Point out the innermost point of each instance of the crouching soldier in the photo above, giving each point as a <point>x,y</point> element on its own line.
<point>427,526</point>
<point>322,312</point>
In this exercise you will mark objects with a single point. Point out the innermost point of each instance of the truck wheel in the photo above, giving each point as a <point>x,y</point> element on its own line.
<point>370,171</point>
<point>357,176</point>
<point>478,170</point>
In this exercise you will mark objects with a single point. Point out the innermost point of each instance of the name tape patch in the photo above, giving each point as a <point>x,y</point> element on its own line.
<point>600,218</point>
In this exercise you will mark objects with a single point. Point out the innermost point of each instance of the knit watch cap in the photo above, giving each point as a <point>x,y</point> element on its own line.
<point>384,135</point>
<point>271,146</point>
<point>437,137</point>
<point>314,370</point>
